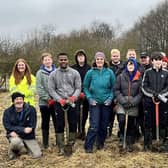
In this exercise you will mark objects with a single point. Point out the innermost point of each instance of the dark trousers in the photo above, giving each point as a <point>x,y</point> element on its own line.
<point>99,120</point>
<point>46,112</point>
<point>150,117</point>
<point>72,118</point>
<point>85,110</point>
<point>131,127</point>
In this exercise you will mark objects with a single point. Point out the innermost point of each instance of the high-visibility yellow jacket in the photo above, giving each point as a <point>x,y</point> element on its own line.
<point>24,88</point>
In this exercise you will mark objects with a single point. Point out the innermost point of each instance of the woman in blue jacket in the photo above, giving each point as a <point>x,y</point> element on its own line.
<point>98,87</point>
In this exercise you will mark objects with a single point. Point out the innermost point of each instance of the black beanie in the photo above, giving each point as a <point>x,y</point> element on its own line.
<point>16,94</point>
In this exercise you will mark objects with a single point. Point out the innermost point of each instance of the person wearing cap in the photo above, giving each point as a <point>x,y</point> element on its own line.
<point>23,81</point>
<point>65,86</point>
<point>145,60</point>
<point>155,89</point>
<point>128,96</point>
<point>82,67</point>
<point>46,103</point>
<point>98,88</point>
<point>19,121</point>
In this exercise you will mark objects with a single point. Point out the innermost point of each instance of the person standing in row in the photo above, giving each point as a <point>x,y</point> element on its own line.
<point>65,86</point>
<point>46,103</point>
<point>23,81</point>
<point>82,67</point>
<point>98,87</point>
<point>128,96</point>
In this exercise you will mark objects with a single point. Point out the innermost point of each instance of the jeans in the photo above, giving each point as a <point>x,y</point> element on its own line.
<point>99,120</point>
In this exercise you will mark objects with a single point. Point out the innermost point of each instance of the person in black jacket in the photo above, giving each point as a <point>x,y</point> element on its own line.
<point>155,89</point>
<point>117,66</point>
<point>82,67</point>
<point>19,121</point>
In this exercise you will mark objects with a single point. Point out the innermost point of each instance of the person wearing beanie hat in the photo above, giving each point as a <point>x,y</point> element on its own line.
<point>165,62</point>
<point>82,104</point>
<point>19,121</point>
<point>98,88</point>
<point>16,94</point>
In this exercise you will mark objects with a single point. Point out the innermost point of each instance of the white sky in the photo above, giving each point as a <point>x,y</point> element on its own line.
<point>21,16</point>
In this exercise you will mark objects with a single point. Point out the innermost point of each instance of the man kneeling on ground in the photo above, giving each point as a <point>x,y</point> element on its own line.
<point>19,121</point>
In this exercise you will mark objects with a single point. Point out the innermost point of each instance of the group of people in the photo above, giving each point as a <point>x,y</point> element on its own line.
<point>128,89</point>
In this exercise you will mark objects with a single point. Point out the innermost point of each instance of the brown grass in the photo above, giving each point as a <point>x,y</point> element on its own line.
<point>109,157</point>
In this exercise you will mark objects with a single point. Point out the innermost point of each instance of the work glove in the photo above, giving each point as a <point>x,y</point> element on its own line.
<point>92,102</point>
<point>72,99</point>
<point>107,102</point>
<point>127,105</point>
<point>62,102</point>
<point>51,102</point>
<point>82,96</point>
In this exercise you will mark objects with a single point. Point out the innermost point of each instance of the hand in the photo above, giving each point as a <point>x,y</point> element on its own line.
<point>92,102</point>
<point>27,130</point>
<point>62,102</point>
<point>155,95</point>
<point>108,102</point>
<point>13,134</point>
<point>82,96</point>
<point>51,102</point>
<point>72,99</point>
<point>127,105</point>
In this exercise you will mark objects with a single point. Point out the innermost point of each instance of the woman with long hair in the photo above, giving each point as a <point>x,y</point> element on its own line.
<point>21,80</point>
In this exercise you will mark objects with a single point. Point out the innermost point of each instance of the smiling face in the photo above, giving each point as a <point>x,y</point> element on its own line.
<point>157,63</point>
<point>130,66</point>
<point>18,103</point>
<point>63,61</point>
<point>21,67</point>
<point>47,61</point>
<point>100,62</point>
<point>115,57</point>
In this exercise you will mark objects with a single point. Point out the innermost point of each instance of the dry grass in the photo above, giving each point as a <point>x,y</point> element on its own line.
<point>110,157</point>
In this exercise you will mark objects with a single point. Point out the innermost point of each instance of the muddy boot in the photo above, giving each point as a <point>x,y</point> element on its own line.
<point>164,146</point>
<point>45,134</point>
<point>60,143</point>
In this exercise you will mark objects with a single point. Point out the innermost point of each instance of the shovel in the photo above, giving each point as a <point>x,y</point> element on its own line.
<point>125,130</point>
<point>157,143</point>
<point>81,116</point>
<point>67,146</point>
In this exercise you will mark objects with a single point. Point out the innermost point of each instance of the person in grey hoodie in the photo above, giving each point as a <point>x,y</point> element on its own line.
<point>46,103</point>
<point>65,86</point>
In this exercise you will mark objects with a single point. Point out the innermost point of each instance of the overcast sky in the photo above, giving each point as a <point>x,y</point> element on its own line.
<point>20,16</point>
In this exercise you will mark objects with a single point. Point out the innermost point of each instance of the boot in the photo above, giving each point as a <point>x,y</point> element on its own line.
<point>129,144</point>
<point>72,138</point>
<point>45,134</point>
<point>60,143</point>
<point>147,140</point>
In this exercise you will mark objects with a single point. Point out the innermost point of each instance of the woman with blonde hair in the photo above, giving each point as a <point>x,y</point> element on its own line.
<point>21,80</point>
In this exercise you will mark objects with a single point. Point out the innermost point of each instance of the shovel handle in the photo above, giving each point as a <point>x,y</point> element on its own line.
<point>125,130</point>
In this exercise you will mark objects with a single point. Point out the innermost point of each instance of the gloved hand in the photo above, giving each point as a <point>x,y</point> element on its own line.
<point>72,99</point>
<point>92,102</point>
<point>51,102</point>
<point>107,102</point>
<point>127,105</point>
<point>82,96</point>
<point>62,102</point>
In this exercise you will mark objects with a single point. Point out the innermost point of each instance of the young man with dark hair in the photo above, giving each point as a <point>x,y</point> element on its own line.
<point>155,89</point>
<point>65,86</point>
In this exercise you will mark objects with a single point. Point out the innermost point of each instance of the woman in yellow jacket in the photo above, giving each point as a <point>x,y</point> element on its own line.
<point>21,80</point>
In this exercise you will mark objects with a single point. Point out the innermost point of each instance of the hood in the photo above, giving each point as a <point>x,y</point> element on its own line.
<point>78,52</point>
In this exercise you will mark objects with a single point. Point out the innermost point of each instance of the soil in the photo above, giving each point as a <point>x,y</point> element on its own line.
<point>110,157</point>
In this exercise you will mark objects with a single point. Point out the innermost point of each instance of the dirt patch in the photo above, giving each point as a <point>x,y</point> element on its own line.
<point>109,157</point>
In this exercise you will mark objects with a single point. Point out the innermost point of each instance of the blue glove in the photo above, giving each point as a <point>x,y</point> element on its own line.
<point>107,102</point>
<point>92,102</point>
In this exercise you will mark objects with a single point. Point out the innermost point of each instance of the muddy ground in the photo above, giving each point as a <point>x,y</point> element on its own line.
<point>109,157</point>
